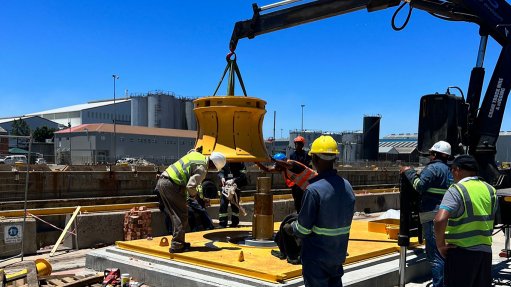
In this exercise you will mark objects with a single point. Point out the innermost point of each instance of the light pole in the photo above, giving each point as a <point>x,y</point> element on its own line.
<point>302,116</point>
<point>115,77</point>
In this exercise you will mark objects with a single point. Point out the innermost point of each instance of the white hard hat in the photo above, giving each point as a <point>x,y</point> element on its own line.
<point>218,159</point>
<point>441,147</point>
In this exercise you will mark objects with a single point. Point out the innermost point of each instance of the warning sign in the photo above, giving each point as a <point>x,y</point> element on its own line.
<point>12,234</point>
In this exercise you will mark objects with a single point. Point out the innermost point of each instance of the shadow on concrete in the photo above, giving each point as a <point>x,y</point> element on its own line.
<point>501,273</point>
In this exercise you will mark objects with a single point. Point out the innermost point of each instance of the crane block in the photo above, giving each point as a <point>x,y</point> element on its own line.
<point>231,125</point>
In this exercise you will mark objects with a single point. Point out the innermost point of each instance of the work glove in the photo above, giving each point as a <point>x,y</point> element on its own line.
<point>229,182</point>
<point>288,229</point>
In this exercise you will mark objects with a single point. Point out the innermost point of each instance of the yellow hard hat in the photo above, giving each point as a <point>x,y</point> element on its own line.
<point>325,145</point>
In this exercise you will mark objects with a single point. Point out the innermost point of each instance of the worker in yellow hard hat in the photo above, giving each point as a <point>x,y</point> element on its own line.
<point>325,218</point>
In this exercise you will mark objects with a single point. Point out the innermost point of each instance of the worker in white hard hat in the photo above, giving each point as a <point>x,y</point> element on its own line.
<point>179,180</point>
<point>431,184</point>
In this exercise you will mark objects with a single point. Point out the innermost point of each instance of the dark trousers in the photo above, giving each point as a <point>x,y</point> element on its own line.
<point>195,208</point>
<point>173,197</point>
<point>297,193</point>
<point>465,268</point>
<point>223,215</point>
<point>321,274</point>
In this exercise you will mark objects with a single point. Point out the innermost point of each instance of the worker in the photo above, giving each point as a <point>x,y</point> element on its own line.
<point>197,210</point>
<point>432,184</point>
<point>464,226</point>
<point>325,218</point>
<point>184,176</point>
<point>293,171</point>
<point>302,157</point>
<point>233,172</point>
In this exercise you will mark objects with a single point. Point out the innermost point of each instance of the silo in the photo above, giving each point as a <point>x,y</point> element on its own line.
<point>178,113</point>
<point>191,120</point>
<point>153,111</point>
<point>165,112</point>
<point>371,137</point>
<point>351,147</point>
<point>139,111</point>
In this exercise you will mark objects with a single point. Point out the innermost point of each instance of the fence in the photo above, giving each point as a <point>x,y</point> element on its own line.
<point>11,232</point>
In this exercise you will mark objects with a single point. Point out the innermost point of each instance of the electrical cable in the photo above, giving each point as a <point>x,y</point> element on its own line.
<point>407,17</point>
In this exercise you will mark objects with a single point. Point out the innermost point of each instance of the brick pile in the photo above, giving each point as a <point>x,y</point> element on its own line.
<point>137,223</point>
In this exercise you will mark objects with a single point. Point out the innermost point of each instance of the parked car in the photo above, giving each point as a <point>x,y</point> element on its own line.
<point>2,161</point>
<point>12,159</point>
<point>40,161</point>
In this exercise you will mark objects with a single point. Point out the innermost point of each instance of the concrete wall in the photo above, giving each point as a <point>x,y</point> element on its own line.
<point>12,247</point>
<point>96,181</point>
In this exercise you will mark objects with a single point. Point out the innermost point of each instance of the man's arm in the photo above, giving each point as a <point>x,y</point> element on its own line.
<point>441,219</point>
<point>307,216</point>
<point>199,173</point>
<point>420,182</point>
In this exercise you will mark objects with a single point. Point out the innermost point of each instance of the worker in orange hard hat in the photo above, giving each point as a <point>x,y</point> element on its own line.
<point>304,158</point>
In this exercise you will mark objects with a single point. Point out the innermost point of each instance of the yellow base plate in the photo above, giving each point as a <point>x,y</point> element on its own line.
<point>257,262</point>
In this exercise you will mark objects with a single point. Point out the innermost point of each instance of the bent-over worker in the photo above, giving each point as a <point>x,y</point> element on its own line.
<point>184,176</point>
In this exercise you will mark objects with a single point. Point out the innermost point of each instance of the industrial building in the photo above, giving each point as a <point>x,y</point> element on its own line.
<point>101,143</point>
<point>154,110</point>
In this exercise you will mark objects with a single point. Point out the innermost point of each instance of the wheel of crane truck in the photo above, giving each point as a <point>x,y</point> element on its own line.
<point>231,125</point>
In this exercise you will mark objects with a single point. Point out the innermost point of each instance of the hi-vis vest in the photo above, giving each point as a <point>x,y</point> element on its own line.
<point>475,225</point>
<point>180,171</point>
<point>301,179</point>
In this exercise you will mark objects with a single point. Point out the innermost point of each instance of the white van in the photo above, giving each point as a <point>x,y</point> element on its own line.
<point>12,159</point>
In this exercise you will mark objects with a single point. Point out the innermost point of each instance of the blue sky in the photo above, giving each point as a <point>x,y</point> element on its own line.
<point>59,53</point>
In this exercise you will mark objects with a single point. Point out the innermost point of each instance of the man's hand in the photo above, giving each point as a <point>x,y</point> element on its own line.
<point>443,249</point>
<point>404,168</point>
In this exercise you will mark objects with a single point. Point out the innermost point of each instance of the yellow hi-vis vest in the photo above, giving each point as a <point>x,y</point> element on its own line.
<point>180,171</point>
<point>475,225</point>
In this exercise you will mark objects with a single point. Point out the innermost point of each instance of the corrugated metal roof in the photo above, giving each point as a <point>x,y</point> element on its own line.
<point>80,107</point>
<point>6,120</point>
<point>123,129</point>
<point>405,150</point>
<point>387,149</point>
<point>396,144</point>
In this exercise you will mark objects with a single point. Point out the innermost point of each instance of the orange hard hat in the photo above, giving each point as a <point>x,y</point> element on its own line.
<point>299,139</point>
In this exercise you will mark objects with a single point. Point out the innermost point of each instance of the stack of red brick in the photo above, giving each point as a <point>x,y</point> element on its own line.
<point>137,223</point>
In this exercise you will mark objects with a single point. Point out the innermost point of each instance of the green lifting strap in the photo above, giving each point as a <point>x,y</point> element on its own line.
<point>234,70</point>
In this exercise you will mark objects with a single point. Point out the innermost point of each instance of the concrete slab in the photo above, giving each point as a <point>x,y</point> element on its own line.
<point>216,252</point>
<point>377,272</point>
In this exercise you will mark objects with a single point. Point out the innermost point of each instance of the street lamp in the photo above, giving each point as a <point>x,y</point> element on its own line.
<point>115,77</point>
<point>302,116</point>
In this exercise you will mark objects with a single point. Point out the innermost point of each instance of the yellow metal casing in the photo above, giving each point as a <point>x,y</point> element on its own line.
<point>233,126</point>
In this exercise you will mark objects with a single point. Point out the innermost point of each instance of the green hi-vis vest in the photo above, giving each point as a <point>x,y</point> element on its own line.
<point>180,171</point>
<point>475,225</point>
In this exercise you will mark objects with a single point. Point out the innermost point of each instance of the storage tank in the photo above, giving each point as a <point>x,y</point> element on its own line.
<point>351,146</point>
<point>153,111</point>
<point>166,111</point>
<point>139,111</point>
<point>191,120</point>
<point>371,137</point>
<point>178,113</point>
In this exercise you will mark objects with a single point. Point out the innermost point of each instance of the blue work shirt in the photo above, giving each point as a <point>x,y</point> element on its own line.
<point>325,218</point>
<point>431,183</point>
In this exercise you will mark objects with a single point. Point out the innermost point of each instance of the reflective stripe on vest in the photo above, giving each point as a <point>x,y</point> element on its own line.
<point>323,231</point>
<point>475,225</point>
<point>179,172</point>
<point>301,179</point>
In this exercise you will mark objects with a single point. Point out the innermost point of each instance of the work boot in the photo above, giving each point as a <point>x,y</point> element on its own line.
<point>278,254</point>
<point>294,261</point>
